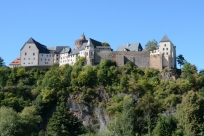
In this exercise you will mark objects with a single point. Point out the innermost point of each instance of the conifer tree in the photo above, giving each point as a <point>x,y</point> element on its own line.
<point>1,62</point>
<point>63,123</point>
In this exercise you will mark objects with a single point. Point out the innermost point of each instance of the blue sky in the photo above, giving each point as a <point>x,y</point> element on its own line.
<point>53,22</point>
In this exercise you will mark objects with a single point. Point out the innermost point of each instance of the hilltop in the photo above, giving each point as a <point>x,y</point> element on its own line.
<point>101,100</point>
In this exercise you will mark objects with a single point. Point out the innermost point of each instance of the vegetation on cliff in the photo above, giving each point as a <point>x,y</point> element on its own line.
<point>140,100</point>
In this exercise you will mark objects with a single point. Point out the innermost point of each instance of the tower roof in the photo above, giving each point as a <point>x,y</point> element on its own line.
<point>165,39</point>
<point>83,37</point>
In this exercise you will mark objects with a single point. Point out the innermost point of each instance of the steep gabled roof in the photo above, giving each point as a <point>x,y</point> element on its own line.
<point>130,47</point>
<point>89,43</point>
<point>95,43</point>
<point>165,39</point>
<point>42,48</point>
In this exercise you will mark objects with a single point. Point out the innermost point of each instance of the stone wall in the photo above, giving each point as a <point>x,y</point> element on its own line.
<point>140,59</point>
<point>156,61</point>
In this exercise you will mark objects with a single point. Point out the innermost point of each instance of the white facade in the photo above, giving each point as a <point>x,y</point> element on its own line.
<point>46,59</point>
<point>29,55</point>
<point>66,58</point>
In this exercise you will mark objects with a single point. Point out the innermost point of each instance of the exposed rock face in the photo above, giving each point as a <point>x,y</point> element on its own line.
<point>95,116</point>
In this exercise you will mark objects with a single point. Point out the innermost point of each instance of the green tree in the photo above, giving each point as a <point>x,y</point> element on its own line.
<point>29,119</point>
<point>18,124</point>
<point>180,60</point>
<point>124,123</point>
<point>63,123</point>
<point>147,110</point>
<point>2,62</point>
<point>4,73</point>
<point>9,122</point>
<point>190,113</point>
<point>201,71</point>
<point>105,44</point>
<point>165,126</point>
<point>189,72</point>
<point>151,45</point>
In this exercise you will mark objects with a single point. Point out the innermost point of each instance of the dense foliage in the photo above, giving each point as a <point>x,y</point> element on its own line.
<point>141,101</point>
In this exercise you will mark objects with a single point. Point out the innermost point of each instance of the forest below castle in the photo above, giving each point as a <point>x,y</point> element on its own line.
<point>140,101</point>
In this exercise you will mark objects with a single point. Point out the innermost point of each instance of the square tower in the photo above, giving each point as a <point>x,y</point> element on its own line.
<point>168,50</point>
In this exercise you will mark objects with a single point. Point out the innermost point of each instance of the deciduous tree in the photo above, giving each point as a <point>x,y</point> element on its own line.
<point>151,45</point>
<point>190,113</point>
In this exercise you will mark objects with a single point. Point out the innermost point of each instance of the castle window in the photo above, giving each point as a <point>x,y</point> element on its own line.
<point>91,53</point>
<point>167,53</point>
<point>25,53</point>
<point>164,44</point>
<point>45,59</point>
<point>166,48</point>
<point>163,49</point>
<point>41,59</point>
<point>29,46</point>
<point>57,58</point>
<point>33,58</point>
<point>33,54</point>
<point>28,58</point>
<point>42,54</point>
<point>48,59</point>
<point>24,58</point>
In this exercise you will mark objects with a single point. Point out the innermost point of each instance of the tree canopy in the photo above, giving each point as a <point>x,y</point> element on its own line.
<point>180,60</point>
<point>151,45</point>
<point>2,63</point>
<point>105,44</point>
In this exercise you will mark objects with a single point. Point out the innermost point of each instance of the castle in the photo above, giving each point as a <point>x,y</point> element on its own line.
<point>35,54</point>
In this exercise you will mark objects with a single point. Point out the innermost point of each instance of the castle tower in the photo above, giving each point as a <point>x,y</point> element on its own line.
<point>79,42</point>
<point>89,49</point>
<point>168,51</point>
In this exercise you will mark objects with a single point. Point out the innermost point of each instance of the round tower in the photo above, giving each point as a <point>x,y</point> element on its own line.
<point>79,42</point>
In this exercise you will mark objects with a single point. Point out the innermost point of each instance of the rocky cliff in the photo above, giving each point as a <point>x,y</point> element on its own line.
<point>93,115</point>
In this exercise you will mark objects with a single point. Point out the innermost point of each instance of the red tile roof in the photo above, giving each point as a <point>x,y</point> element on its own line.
<point>17,61</point>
